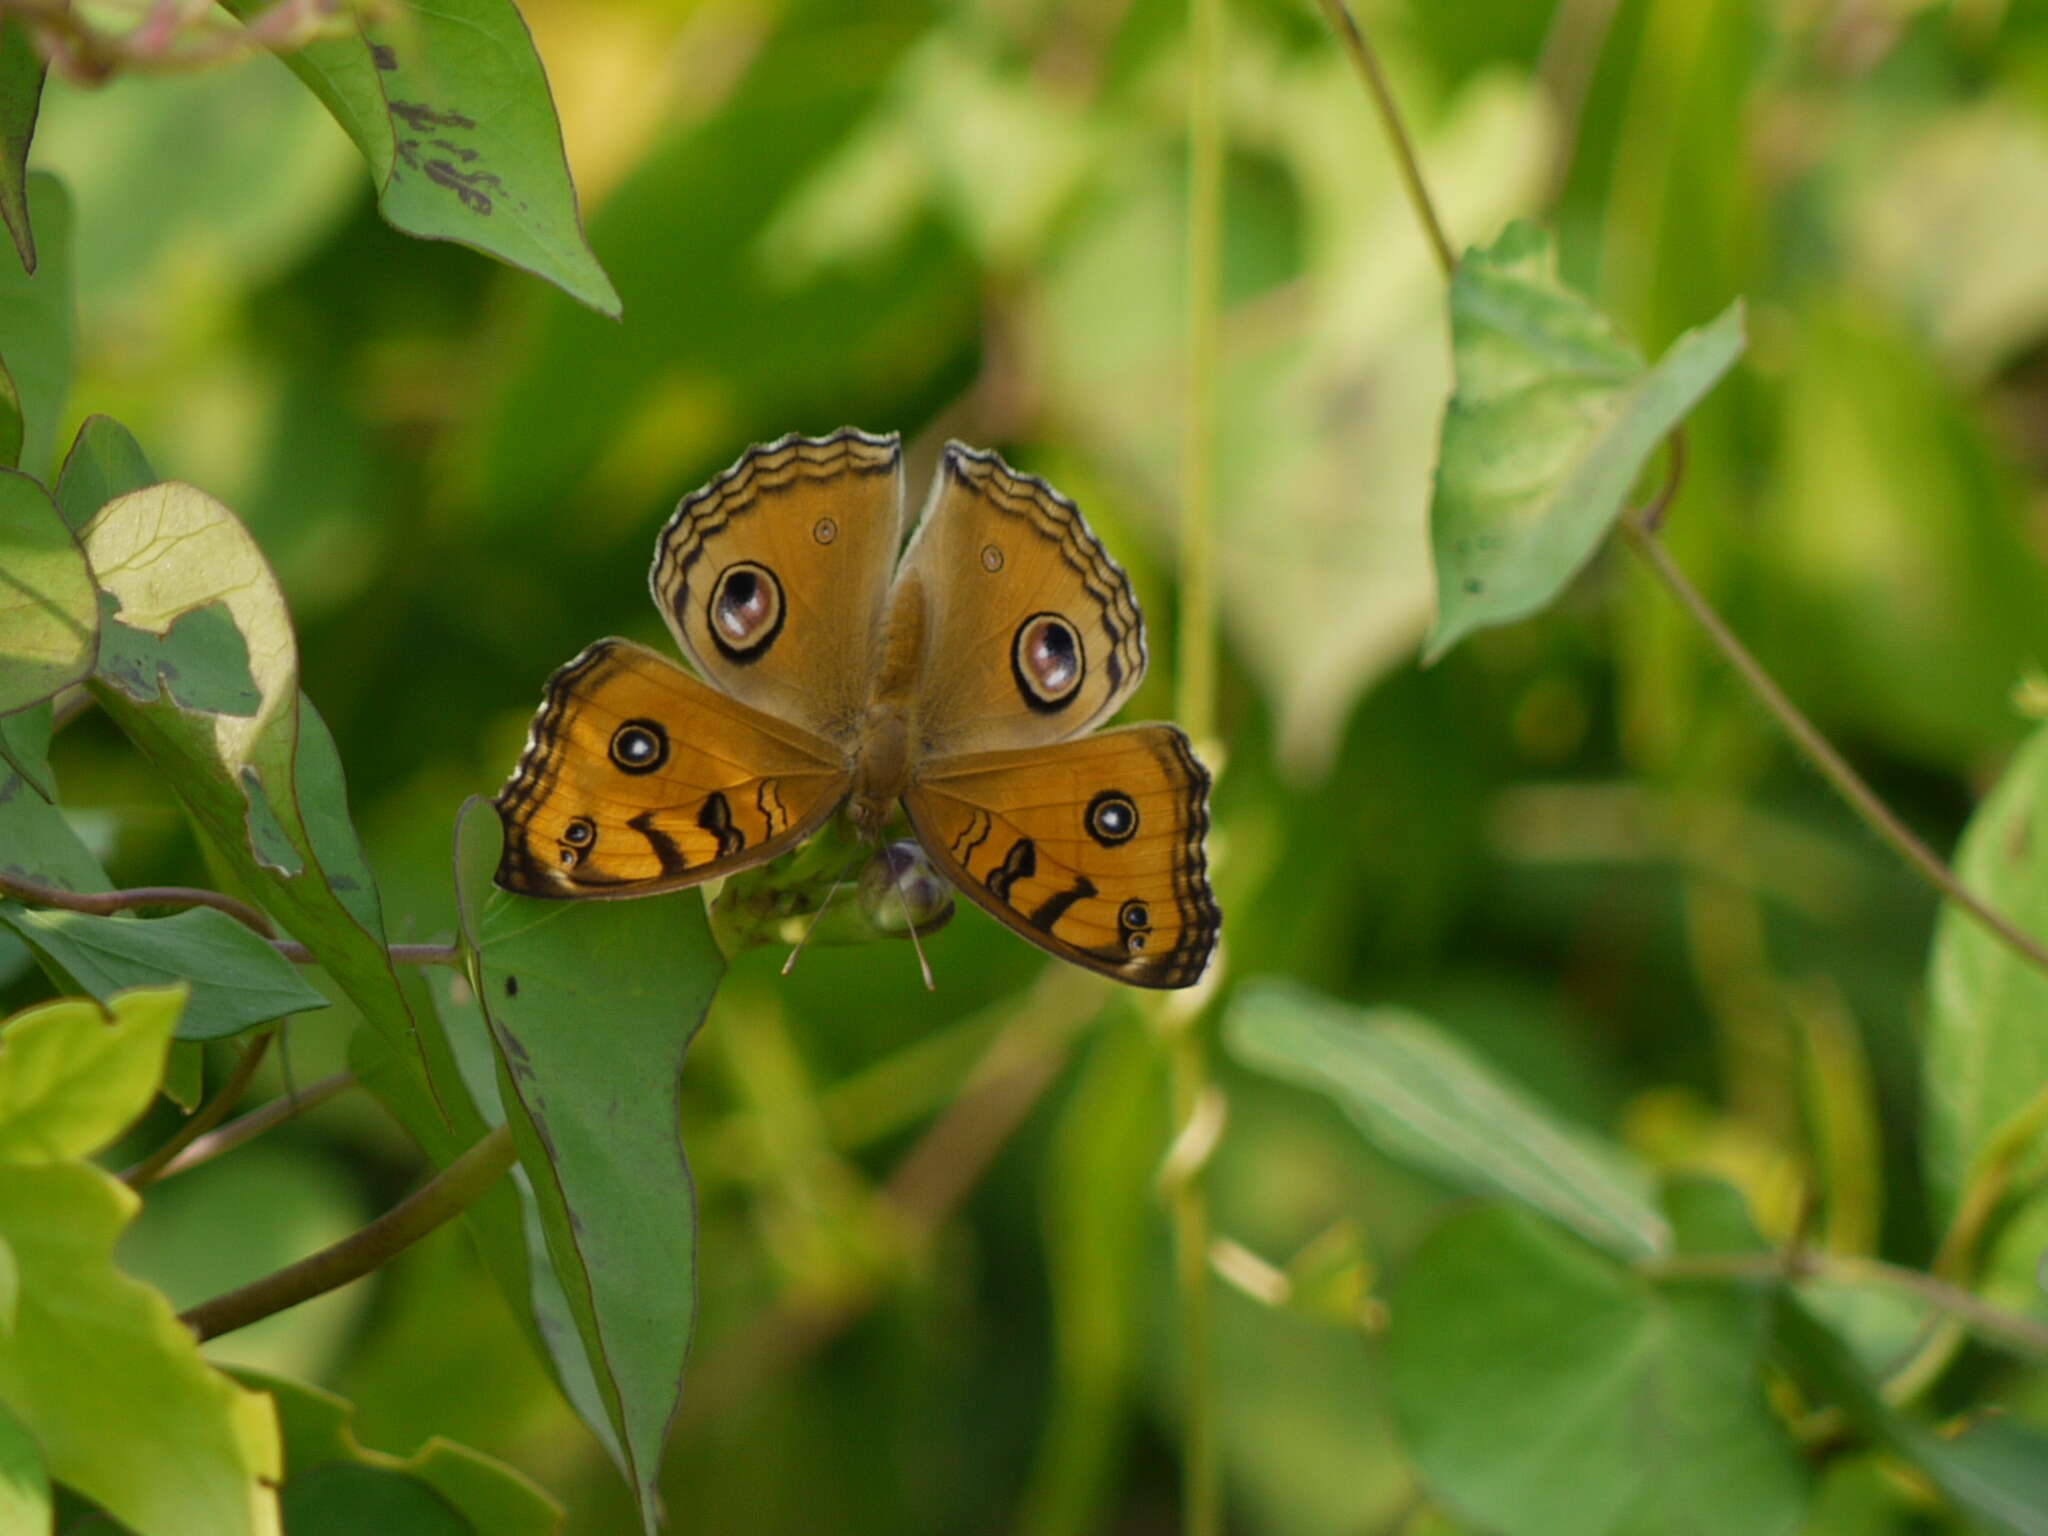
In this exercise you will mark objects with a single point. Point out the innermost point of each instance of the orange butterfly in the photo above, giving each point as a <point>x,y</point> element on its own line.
<point>957,681</point>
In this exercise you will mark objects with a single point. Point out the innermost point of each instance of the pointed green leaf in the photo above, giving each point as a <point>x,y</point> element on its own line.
<point>318,1428</point>
<point>1546,1390</point>
<point>1422,1097</point>
<point>21,91</point>
<point>36,842</point>
<point>238,981</point>
<point>11,426</point>
<point>1993,1472</point>
<point>265,788</point>
<point>24,1482</point>
<point>74,1074</point>
<point>105,461</point>
<point>1551,421</point>
<point>451,110</point>
<point>49,610</point>
<point>38,327</point>
<point>112,1384</point>
<point>596,1116</point>
<point>1984,1053</point>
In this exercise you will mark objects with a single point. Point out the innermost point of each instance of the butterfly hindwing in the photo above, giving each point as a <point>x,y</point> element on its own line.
<point>1091,849</point>
<point>1033,634</point>
<point>638,778</point>
<point>773,577</point>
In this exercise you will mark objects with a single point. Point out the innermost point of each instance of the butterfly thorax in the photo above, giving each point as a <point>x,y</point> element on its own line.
<point>883,759</point>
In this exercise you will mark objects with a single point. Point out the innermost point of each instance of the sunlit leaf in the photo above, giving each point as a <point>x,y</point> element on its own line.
<point>24,1483</point>
<point>112,1384</point>
<point>1542,1387</point>
<point>265,787</point>
<point>38,329</point>
<point>1423,1098</point>
<point>1983,1051</point>
<point>1996,1471</point>
<point>596,1116</point>
<point>49,611</point>
<point>21,89</point>
<point>1552,420</point>
<point>451,110</point>
<point>481,1493</point>
<point>238,981</point>
<point>74,1074</point>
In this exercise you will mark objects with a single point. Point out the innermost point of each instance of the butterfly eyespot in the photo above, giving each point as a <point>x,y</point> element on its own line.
<point>1135,914</point>
<point>991,559</point>
<point>1047,662</point>
<point>1112,818</point>
<point>580,833</point>
<point>824,530</point>
<point>1134,941</point>
<point>746,609</point>
<point>639,746</point>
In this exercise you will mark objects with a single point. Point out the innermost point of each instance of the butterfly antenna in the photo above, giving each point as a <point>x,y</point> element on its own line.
<point>909,922</point>
<point>812,927</point>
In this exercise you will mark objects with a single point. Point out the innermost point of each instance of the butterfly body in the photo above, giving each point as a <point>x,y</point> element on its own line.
<point>959,684</point>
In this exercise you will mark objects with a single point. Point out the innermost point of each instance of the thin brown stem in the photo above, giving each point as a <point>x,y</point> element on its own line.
<point>204,1149</point>
<point>439,1200</point>
<point>209,1114</point>
<point>107,903</point>
<point>1819,751</point>
<point>401,954</point>
<point>1368,63</point>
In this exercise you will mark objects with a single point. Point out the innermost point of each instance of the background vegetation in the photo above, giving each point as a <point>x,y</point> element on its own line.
<point>1628,933</point>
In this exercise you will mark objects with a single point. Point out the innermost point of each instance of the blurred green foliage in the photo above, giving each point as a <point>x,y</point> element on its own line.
<point>1573,844</point>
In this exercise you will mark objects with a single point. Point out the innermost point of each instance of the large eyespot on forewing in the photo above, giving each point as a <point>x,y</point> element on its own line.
<point>1047,661</point>
<point>745,611</point>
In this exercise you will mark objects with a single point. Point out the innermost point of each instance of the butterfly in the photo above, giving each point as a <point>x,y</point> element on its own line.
<point>961,681</point>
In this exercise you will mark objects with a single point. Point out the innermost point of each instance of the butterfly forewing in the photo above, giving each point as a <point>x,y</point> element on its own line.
<point>772,577</point>
<point>1090,848</point>
<point>638,778</point>
<point>1033,632</point>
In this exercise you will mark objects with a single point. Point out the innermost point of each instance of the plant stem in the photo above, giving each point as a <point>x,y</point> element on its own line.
<point>107,903</point>
<point>1368,63</point>
<point>1195,704</point>
<point>401,954</point>
<point>442,1197</point>
<point>204,1149</point>
<point>1819,751</point>
<point>209,1114</point>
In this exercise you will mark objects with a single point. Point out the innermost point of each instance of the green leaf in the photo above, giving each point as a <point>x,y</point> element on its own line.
<point>21,91</point>
<point>238,981</point>
<point>74,1074</point>
<point>596,1113</point>
<point>38,327</point>
<point>36,842</point>
<point>105,461</point>
<point>112,1384</point>
<point>451,110</point>
<point>49,609</point>
<point>24,1482</point>
<point>1551,421</point>
<point>1997,1471</point>
<point>11,426</point>
<point>1544,1388</point>
<point>476,1491</point>
<point>1984,1053</point>
<point>265,788</point>
<point>1420,1096</point>
<point>185,1074</point>
<point>200,663</point>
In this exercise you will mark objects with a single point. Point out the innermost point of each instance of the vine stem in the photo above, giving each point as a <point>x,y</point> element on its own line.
<point>204,1149</point>
<point>437,1201</point>
<point>1819,751</point>
<point>1368,62</point>
<point>210,1114</point>
<point>1195,703</point>
<point>107,903</point>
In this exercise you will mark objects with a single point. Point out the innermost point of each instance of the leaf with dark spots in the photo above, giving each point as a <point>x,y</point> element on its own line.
<point>200,663</point>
